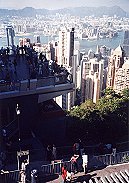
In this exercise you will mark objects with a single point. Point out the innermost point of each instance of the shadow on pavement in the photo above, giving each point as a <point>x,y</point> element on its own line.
<point>95,164</point>
<point>83,178</point>
<point>47,178</point>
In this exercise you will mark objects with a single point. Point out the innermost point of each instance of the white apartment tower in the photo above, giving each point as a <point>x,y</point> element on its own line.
<point>122,78</point>
<point>115,63</point>
<point>66,47</point>
<point>92,78</point>
<point>67,59</point>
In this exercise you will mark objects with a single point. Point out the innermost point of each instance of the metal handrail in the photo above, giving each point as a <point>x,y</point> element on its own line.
<point>55,167</point>
<point>109,159</point>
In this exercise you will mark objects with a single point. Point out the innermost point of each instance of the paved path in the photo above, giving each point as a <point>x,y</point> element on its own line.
<point>80,176</point>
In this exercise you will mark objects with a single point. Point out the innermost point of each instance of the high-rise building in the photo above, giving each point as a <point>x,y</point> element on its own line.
<point>91,78</point>
<point>10,36</point>
<point>67,59</point>
<point>66,47</point>
<point>56,51</point>
<point>51,48</point>
<point>36,39</point>
<point>78,75</point>
<point>126,42</point>
<point>115,62</point>
<point>122,78</point>
<point>20,28</point>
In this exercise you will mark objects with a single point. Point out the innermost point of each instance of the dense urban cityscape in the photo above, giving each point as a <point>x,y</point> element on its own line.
<point>64,92</point>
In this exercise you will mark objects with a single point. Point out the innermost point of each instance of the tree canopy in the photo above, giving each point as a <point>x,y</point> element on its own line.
<point>107,120</point>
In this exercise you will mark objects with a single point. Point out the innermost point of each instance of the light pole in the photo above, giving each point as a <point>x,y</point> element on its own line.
<point>18,113</point>
<point>19,138</point>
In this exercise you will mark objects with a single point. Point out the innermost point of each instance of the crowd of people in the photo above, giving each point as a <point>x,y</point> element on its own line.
<point>78,154</point>
<point>79,160</point>
<point>35,64</point>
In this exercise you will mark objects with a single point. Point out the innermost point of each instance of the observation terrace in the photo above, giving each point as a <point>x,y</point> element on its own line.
<point>25,72</point>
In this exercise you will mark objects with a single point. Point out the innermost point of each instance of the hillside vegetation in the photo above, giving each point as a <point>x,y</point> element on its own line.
<point>106,121</point>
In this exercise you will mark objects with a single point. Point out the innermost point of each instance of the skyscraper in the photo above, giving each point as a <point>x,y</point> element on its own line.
<point>122,78</point>
<point>66,47</point>
<point>92,78</point>
<point>115,62</point>
<point>36,39</point>
<point>10,36</point>
<point>126,42</point>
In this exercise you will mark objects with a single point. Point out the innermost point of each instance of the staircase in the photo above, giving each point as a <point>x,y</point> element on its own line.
<point>121,177</point>
<point>11,128</point>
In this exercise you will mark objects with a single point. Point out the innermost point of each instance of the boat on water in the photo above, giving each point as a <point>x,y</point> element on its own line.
<point>92,37</point>
<point>2,35</point>
<point>23,34</point>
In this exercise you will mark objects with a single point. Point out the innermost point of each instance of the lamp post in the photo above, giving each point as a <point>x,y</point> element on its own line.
<point>19,138</point>
<point>18,113</point>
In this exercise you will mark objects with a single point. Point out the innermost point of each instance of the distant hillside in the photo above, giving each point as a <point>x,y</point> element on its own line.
<point>78,11</point>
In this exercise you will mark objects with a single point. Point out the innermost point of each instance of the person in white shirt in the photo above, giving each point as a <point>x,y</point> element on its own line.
<point>23,165</point>
<point>85,162</point>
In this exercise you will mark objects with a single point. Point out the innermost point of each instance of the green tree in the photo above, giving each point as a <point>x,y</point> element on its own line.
<point>125,92</point>
<point>99,121</point>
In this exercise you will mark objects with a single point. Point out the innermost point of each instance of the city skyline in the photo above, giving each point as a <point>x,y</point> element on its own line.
<point>56,4</point>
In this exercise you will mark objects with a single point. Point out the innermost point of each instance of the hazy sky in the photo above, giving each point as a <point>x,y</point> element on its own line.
<point>55,4</point>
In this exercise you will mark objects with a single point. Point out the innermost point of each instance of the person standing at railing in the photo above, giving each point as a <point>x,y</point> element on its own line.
<point>49,153</point>
<point>81,147</point>
<point>22,176</point>
<point>7,77</point>
<point>101,148</point>
<point>23,171</point>
<point>76,148</point>
<point>108,148</point>
<point>74,162</point>
<point>24,164</point>
<point>54,152</point>
<point>85,162</point>
<point>15,65</point>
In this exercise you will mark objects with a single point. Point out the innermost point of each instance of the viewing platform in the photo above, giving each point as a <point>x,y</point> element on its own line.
<point>25,72</point>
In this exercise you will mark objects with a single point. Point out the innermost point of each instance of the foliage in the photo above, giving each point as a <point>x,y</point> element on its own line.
<point>125,92</point>
<point>105,120</point>
<point>126,159</point>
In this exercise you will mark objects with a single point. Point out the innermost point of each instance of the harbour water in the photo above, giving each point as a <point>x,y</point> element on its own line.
<point>110,43</point>
<point>85,45</point>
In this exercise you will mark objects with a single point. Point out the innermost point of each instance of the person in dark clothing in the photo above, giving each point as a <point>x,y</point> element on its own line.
<point>15,64</point>
<point>76,148</point>
<point>49,153</point>
<point>81,147</point>
<point>8,78</point>
<point>101,148</point>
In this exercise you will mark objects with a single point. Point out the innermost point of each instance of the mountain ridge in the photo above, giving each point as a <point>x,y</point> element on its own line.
<point>77,11</point>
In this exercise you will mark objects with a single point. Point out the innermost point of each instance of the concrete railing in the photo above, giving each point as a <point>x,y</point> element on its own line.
<point>10,176</point>
<point>55,167</point>
<point>110,159</point>
<point>32,84</point>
